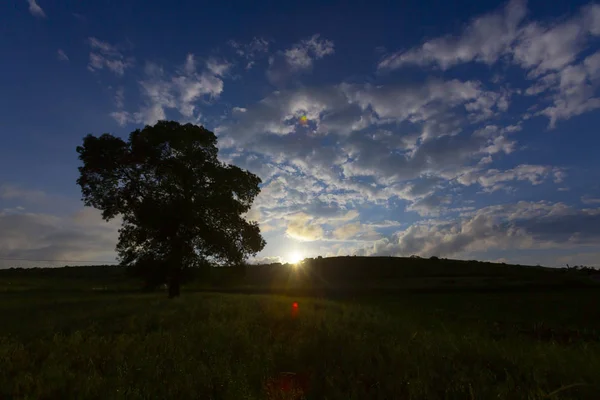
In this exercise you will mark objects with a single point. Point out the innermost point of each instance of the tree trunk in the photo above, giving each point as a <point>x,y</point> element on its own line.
<point>176,268</point>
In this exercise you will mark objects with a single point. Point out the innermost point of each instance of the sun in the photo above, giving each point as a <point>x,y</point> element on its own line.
<point>295,257</point>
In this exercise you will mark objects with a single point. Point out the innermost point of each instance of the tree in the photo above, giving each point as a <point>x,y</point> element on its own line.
<point>180,206</point>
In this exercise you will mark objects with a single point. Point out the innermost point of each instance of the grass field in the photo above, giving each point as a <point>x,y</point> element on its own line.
<point>65,343</point>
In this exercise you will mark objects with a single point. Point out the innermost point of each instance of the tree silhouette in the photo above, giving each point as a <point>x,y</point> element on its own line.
<point>180,206</point>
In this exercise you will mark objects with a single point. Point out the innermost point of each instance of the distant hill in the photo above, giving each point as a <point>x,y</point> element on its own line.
<point>329,273</point>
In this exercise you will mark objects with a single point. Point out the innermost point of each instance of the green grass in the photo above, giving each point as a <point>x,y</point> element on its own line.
<point>87,345</point>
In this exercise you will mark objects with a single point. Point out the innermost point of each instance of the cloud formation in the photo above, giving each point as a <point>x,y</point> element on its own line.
<point>484,40</point>
<point>35,9</point>
<point>297,59</point>
<point>547,51</point>
<point>431,164</point>
<point>104,55</point>
<point>524,225</point>
<point>180,90</point>
<point>534,46</point>
<point>81,236</point>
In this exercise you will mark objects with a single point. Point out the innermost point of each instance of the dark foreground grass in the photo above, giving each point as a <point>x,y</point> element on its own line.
<point>69,345</point>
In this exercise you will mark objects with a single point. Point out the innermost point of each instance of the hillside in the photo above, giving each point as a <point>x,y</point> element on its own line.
<point>320,274</point>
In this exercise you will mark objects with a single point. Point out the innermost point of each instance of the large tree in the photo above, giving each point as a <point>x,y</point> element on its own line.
<point>180,206</point>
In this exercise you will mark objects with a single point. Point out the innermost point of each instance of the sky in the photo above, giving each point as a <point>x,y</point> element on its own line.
<point>452,129</point>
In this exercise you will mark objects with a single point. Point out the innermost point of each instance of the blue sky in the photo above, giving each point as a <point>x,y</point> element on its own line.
<point>433,128</point>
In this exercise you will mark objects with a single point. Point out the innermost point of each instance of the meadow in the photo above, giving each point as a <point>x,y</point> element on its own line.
<point>66,339</point>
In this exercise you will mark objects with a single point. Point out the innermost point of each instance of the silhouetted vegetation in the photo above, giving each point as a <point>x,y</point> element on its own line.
<point>331,274</point>
<point>180,206</point>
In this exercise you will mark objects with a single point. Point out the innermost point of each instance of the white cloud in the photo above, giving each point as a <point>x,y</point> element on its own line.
<point>297,59</point>
<point>548,52</point>
<point>347,231</point>
<point>217,67</point>
<point>122,117</point>
<point>559,176</point>
<point>105,55</point>
<point>534,46</point>
<point>431,205</point>
<point>493,179</point>
<point>421,102</point>
<point>301,228</point>
<point>547,48</point>
<point>484,39</point>
<point>371,166</point>
<point>345,108</point>
<point>62,56</point>
<point>35,9</point>
<point>120,97</point>
<point>542,84</point>
<point>524,225</point>
<point>574,90</point>
<point>181,90</point>
<point>279,112</point>
<point>356,231</point>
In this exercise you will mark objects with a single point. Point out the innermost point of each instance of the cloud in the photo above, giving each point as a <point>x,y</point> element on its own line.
<point>392,167</point>
<point>217,67</point>
<point>548,51</point>
<point>347,231</point>
<point>35,9</point>
<point>524,225</point>
<point>357,231</point>
<point>120,97</point>
<point>590,200</point>
<point>279,112</point>
<point>484,39</point>
<point>573,90</point>
<point>346,108</point>
<point>13,192</point>
<point>427,101</point>
<point>62,56</point>
<point>181,90</point>
<point>354,153</point>
<point>301,228</point>
<point>297,59</point>
<point>431,205</point>
<point>389,165</point>
<point>536,47</point>
<point>104,55</point>
<point>251,51</point>
<point>80,236</point>
<point>545,48</point>
<point>493,179</point>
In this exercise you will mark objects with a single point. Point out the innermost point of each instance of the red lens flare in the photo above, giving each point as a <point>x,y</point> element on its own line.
<point>294,310</point>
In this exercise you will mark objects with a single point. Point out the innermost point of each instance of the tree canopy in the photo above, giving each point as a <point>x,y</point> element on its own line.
<point>180,206</point>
